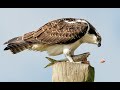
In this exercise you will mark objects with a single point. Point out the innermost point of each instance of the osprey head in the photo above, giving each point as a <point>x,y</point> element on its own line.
<point>95,35</point>
<point>92,36</point>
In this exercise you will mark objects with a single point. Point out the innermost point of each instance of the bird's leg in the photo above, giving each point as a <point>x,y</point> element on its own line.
<point>67,53</point>
<point>69,58</point>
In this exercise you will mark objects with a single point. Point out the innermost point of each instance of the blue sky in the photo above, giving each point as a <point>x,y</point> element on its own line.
<point>28,66</point>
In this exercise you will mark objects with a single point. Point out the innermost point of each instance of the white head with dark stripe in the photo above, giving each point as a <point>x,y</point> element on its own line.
<point>92,36</point>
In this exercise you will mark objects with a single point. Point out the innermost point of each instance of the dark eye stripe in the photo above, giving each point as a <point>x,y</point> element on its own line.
<point>92,31</point>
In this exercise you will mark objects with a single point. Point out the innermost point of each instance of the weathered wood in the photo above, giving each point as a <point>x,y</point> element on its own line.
<point>72,72</point>
<point>78,71</point>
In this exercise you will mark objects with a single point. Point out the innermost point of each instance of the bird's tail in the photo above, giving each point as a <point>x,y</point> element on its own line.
<point>17,45</point>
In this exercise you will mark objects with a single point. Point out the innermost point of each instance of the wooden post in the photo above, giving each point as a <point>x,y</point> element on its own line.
<point>65,71</point>
<point>72,72</point>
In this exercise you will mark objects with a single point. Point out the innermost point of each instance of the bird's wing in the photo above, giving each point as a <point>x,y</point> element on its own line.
<point>60,31</point>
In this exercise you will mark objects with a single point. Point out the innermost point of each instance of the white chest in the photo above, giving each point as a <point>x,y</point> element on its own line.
<point>73,46</point>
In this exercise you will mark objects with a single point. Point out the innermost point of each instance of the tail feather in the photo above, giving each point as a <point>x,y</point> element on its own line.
<point>17,47</point>
<point>12,40</point>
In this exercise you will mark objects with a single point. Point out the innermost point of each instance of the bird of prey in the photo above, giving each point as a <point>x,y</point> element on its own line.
<point>60,36</point>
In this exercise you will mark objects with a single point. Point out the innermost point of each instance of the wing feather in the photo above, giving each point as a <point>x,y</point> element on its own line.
<point>58,32</point>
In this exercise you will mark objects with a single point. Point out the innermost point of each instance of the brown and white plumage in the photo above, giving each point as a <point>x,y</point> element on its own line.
<point>56,37</point>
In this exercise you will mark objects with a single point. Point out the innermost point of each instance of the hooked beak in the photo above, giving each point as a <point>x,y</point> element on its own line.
<point>99,44</point>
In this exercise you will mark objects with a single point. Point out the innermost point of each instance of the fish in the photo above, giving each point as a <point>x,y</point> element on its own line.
<point>77,58</point>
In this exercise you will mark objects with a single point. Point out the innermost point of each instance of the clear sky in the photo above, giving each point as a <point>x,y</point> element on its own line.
<point>28,66</point>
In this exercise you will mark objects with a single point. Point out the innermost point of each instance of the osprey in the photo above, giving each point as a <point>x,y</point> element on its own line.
<point>61,36</point>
